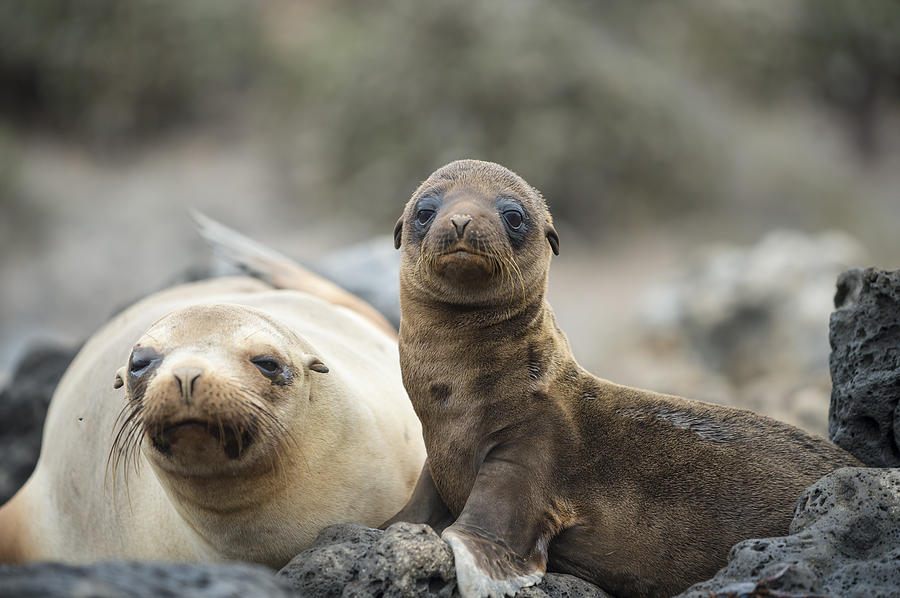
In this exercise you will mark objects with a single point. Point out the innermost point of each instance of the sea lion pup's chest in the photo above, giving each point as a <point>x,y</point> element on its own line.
<point>480,390</point>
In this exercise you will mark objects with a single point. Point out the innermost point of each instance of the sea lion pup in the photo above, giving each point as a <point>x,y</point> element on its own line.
<point>534,462</point>
<point>220,420</point>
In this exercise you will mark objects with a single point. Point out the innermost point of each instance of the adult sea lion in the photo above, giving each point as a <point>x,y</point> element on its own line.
<point>216,421</point>
<point>534,462</point>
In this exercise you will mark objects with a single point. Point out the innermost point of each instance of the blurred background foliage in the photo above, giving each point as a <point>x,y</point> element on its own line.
<point>109,72</point>
<point>618,111</point>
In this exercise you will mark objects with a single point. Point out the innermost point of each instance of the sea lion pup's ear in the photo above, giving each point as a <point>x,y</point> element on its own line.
<point>553,238</point>
<point>315,364</point>
<point>398,232</point>
<point>120,378</point>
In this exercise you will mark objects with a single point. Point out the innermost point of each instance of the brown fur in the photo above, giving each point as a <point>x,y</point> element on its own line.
<point>640,493</point>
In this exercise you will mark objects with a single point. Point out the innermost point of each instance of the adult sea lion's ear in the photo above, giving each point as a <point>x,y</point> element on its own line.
<point>120,378</point>
<point>315,364</point>
<point>553,238</point>
<point>398,232</point>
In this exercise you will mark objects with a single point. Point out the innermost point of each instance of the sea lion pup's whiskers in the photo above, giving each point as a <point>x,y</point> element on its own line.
<point>520,278</point>
<point>553,471</point>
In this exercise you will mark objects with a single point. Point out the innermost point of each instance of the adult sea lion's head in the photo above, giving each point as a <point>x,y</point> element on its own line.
<point>475,233</point>
<point>213,390</point>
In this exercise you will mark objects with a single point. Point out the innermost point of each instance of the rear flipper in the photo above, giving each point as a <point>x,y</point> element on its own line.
<point>268,265</point>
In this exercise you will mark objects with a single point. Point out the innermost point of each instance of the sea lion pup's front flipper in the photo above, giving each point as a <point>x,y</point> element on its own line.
<point>500,539</point>
<point>259,261</point>
<point>424,506</point>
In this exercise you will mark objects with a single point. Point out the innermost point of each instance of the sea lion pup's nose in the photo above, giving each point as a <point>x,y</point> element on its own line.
<point>186,378</point>
<point>459,223</point>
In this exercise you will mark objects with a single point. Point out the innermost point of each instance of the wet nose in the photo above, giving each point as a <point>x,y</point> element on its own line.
<point>459,223</point>
<point>186,378</point>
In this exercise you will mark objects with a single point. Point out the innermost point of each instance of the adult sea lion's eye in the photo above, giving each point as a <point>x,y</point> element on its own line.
<point>424,215</point>
<point>266,365</point>
<point>141,359</point>
<point>513,218</point>
<point>138,364</point>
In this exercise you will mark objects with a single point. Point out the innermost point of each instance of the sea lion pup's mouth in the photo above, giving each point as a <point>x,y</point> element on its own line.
<point>461,260</point>
<point>460,249</point>
<point>234,440</point>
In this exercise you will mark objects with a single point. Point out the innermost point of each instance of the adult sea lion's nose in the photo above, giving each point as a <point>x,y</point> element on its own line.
<point>186,378</point>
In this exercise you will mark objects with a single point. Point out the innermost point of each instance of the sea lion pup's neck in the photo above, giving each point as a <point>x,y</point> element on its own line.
<point>460,351</point>
<point>471,319</point>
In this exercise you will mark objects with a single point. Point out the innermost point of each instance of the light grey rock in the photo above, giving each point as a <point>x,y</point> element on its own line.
<point>750,310</point>
<point>140,580</point>
<point>844,542</point>
<point>370,271</point>
<point>864,417</point>
<point>23,406</point>
<point>405,561</point>
<point>745,325</point>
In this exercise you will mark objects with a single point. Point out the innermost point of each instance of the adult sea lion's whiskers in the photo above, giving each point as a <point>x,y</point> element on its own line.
<point>125,429</point>
<point>270,426</point>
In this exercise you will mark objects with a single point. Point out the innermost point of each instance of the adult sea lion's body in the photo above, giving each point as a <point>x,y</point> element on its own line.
<point>534,461</point>
<point>248,419</point>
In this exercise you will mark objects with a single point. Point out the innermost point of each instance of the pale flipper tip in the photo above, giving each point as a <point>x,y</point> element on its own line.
<point>486,567</point>
<point>240,252</point>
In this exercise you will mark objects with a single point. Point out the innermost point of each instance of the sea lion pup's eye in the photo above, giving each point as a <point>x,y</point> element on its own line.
<point>513,219</point>
<point>424,215</point>
<point>266,365</point>
<point>426,208</point>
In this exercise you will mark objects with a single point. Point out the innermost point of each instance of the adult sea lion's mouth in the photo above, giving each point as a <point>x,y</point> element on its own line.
<point>234,441</point>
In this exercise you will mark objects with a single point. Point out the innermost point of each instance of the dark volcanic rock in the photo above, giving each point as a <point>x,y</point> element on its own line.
<point>140,580</point>
<point>23,405</point>
<point>864,417</point>
<point>406,560</point>
<point>845,541</point>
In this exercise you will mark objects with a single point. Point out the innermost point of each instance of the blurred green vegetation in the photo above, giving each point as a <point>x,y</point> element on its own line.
<point>616,110</point>
<point>109,71</point>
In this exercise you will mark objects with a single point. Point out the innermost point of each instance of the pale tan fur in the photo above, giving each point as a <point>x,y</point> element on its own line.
<point>354,451</point>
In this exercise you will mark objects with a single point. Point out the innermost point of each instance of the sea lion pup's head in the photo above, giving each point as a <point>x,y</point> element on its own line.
<point>475,233</point>
<point>209,390</point>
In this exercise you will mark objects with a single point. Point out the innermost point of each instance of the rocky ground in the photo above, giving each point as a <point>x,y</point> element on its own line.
<point>865,366</point>
<point>844,542</point>
<point>406,560</point>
